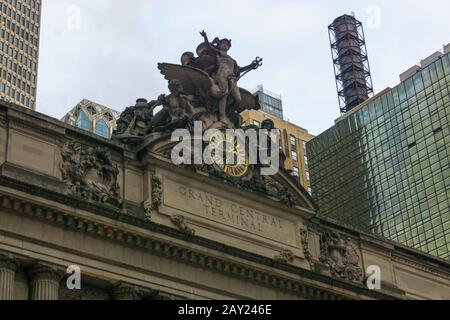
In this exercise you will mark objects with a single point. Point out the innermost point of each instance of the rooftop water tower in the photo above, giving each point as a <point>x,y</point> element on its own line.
<point>351,65</point>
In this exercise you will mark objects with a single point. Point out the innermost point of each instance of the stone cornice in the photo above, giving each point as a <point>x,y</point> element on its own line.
<point>43,124</point>
<point>189,256</point>
<point>396,251</point>
<point>421,266</point>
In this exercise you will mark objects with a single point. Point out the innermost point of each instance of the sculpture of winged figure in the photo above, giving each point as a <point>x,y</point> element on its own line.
<point>214,74</point>
<point>202,87</point>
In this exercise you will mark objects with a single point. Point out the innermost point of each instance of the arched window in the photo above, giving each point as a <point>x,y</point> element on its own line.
<point>83,122</point>
<point>102,128</point>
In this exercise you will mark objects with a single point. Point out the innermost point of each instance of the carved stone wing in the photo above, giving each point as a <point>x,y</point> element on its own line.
<point>191,78</point>
<point>249,101</point>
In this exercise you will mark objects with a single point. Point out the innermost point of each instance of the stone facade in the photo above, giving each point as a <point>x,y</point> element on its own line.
<point>140,227</point>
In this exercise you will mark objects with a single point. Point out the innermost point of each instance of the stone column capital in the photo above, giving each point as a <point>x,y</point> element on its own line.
<point>8,262</point>
<point>41,271</point>
<point>8,268</point>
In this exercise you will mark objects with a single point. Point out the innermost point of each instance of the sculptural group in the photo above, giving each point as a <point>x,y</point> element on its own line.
<point>202,88</point>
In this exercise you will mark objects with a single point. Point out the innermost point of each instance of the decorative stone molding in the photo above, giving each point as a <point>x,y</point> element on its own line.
<point>123,291</point>
<point>285,256</point>
<point>279,191</point>
<point>182,254</point>
<point>148,208</point>
<point>341,256</point>
<point>86,292</point>
<point>304,238</point>
<point>156,192</point>
<point>399,259</point>
<point>90,173</point>
<point>180,222</point>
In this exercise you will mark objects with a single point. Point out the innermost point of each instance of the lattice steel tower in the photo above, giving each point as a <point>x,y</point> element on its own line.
<point>351,65</point>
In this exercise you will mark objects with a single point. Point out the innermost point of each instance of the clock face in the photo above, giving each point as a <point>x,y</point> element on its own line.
<point>223,145</point>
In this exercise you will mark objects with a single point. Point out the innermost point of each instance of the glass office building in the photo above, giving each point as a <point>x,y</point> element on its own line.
<point>270,102</point>
<point>19,50</point>
<point>384,167</point>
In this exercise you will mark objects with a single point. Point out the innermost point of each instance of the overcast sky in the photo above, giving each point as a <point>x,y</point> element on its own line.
<point>107,50</point>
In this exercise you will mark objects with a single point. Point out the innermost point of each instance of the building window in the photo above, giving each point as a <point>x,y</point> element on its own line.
<point>102,128</point>
<point>294,156</point>
<point>307,175</point>
<point>296,172</point>
<point>306,160</point>
<point>83,122</point>
<point>304,144</point>
<point>293,141</point>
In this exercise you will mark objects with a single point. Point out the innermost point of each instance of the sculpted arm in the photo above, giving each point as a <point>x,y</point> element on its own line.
<point>205,37</point>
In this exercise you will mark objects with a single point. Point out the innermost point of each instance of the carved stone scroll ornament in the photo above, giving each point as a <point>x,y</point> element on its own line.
<point>285,256</point>
<point>152,204</point>
<point>180,222</point>
<point>147,205</point>
<point>304,238</point>
<point>341,256</point>
<point>156,192</point>
<point>90,173</point>
<point>279,191</point>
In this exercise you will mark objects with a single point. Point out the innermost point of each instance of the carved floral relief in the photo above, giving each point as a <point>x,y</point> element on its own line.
<point>340,255</point>
<point>90,173</point>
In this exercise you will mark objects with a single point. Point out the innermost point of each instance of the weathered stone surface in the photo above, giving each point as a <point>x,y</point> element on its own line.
<point>221,210</point>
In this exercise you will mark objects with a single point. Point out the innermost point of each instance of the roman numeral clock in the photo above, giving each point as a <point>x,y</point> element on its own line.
<point>221,146</point>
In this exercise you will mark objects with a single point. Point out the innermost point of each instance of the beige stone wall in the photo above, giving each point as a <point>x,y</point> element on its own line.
<point>418,279</point>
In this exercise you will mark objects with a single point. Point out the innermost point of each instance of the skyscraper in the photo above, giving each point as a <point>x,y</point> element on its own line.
<point>270,102</point>
<point>19,50</point>
<point>384,166</point>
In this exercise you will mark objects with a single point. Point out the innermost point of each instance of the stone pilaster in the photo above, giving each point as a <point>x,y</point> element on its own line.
<point>45,281</point>
<point>8,267</point>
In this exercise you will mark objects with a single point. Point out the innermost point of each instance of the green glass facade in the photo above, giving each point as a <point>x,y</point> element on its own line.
<point>385,167</point>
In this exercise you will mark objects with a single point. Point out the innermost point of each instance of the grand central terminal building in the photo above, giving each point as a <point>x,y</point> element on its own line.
<point>160,231</point>
<point>137,226</point>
